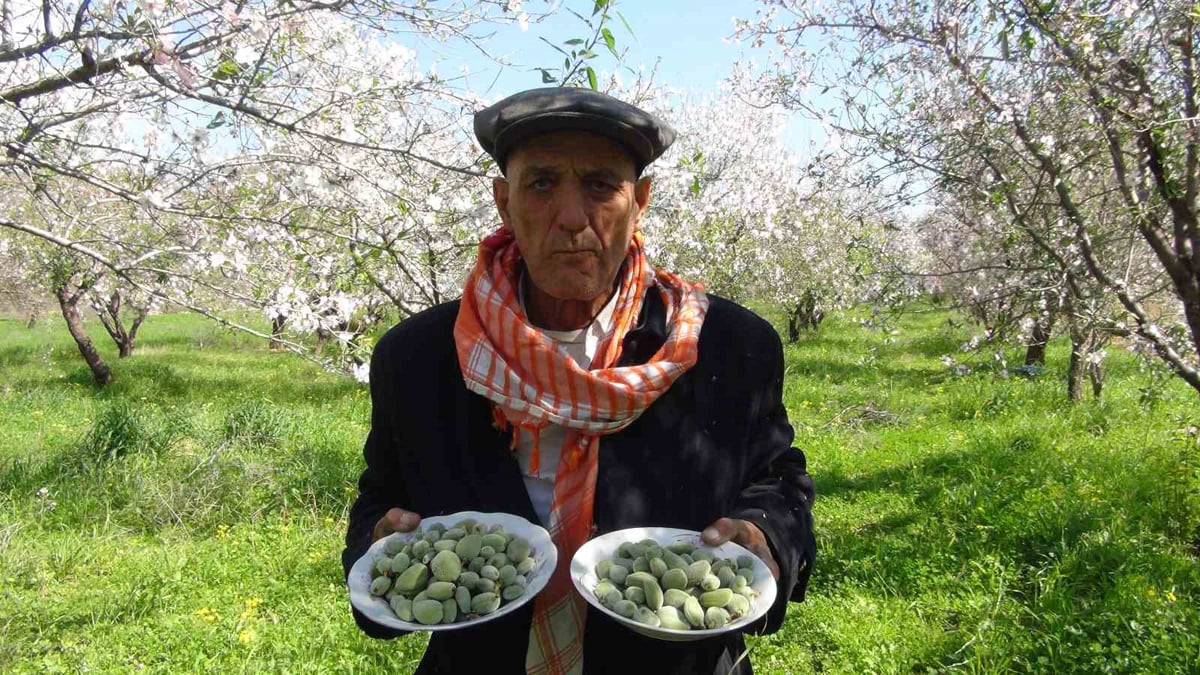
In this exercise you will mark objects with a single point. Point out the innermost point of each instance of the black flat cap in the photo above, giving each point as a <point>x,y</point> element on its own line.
<point>502,126</point>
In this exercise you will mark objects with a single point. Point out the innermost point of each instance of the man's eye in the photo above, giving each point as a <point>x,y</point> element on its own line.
<point>601,186</point>
<point>541,184</point>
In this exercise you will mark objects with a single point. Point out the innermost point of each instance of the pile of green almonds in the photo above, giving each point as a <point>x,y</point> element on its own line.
<point>442,575</point>
<point>677,586</point>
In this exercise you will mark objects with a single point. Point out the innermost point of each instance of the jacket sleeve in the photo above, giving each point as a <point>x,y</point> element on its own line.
<point>380,487</point>
<point>779,494</point>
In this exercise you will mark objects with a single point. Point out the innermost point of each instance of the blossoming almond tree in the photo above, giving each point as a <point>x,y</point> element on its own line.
<point>1033,105</point>
<point>180,109</point>
<point>737,207</point>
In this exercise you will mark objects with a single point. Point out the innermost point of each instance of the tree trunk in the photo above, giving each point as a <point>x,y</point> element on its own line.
<point>1035,352</point>
<point>804,316</point>
<point>276,333</point>
<point>1075,368</point>
<point>812,314</point>
<point>1191,313</point>
<point>126,346</point>
<point>322,337</point>
<point>110,315</point>
<point>69,303</point>
<point>1096,375</point>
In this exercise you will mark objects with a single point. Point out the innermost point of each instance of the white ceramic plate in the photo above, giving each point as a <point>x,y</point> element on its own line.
<point>376,608</point>
<point>583,573</point>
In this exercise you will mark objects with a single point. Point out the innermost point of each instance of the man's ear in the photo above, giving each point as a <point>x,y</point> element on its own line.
<point>500,196</point>
<point>641,194</point>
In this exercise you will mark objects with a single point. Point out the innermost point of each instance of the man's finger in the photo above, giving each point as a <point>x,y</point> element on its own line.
<point>743,533</point>
<point>764,552</point>
<point>721,531</point>
<point>403,521</point>
<point>753,538</point>
<point>396,520</point>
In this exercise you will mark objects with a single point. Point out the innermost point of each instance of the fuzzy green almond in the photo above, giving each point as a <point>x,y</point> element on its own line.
<point>380,586</point>
<point>428,612</point>
<point>440,590</point>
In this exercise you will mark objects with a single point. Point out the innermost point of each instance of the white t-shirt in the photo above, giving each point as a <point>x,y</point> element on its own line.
<point>580,345</point>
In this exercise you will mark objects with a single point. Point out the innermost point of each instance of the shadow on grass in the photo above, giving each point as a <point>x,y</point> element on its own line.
<point>199,379</point>
<point>913,377</point>
<point>989,475</point>
<point>996,499</point>
<point>12,355</point>
<point>1013,502</point>
<point>935,345</point>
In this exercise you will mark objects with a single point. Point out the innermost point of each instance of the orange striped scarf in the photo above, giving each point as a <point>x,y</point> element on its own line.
<point>532,383</point>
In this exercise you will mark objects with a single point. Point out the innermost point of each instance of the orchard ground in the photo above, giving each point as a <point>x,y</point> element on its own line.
<point>190,516</point>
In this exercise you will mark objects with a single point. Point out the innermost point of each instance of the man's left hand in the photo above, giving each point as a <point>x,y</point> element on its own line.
<point>741,532</point>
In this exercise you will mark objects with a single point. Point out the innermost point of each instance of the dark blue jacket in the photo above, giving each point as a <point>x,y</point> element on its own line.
<point>717,443</point>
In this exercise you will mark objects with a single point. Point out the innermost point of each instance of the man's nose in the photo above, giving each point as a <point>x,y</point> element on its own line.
<point>572,209</point>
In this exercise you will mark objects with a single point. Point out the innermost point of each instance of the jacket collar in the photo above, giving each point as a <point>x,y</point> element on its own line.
<point>648,336</point>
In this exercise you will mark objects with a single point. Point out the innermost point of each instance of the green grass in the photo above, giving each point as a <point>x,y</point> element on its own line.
<point>189,517</point>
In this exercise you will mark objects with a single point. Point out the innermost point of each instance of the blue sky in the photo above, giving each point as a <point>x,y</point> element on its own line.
<point>690,41</point>
<point>687,38</point>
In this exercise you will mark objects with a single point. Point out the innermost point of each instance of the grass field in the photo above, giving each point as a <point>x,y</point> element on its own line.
<point>190,516</point>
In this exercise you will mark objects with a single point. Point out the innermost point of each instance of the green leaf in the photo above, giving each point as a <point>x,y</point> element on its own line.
<point>581,17</point>
<point>227,69</point>
<point>626,23</point>
<point>558,49</point>
<point>587,54</point>
<point>599,5</point>
<point>574,42</point>
<point>547,78</point>
<point>609,40</point>
<point>218,120</point>
<point>1026,39</point>
<point>592,79</point>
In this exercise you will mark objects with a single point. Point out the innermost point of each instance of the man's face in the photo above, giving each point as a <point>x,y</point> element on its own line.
<point>573,200</point>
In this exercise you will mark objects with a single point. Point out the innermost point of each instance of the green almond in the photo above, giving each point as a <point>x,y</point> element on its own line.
<point>428,612</point>
<point>468,547</point>
<point>717,598</point>
<point>675,579</point>
<point>440,590</point>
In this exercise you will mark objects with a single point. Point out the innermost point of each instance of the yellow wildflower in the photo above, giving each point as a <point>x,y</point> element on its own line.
<point>252,605</point>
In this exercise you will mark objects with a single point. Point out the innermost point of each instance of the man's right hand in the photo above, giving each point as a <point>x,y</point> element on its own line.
<point>395,520</point>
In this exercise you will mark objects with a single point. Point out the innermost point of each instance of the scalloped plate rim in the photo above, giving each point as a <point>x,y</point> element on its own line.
<point>376,608</point>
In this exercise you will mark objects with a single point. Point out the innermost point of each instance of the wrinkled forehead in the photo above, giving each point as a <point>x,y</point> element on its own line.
<point>571,151</point>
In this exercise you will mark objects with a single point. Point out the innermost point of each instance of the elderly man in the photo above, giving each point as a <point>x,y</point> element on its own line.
<point>577,386</point>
